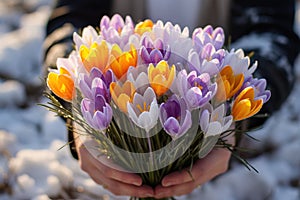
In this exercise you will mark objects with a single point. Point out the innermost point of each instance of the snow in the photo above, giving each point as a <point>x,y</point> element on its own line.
<point>12,93</point>
<point>34,166</point>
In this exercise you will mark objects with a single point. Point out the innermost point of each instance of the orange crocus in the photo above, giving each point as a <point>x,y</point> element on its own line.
<point>120,61</point>
<point>61,84</point>
<point>122,94</point>
<point>245,106</point>
<point>143,27</point>
<point>94,56</point>
<point>228,84</point>
<point>161,77</point>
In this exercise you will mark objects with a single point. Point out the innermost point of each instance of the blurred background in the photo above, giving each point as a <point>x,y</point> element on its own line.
<point>34,166</point>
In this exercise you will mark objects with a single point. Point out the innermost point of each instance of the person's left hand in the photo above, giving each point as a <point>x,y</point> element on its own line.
<point>182,182</point>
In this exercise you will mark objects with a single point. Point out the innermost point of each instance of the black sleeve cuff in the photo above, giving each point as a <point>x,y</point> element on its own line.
<point>71,140</point>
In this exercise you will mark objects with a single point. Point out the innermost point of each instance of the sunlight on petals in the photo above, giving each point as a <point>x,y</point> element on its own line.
<point>143,110</point>
<point>245,106</point>
<point>94,56</point>
<point>122,94</point>
<point>121,61</point>
<point>61,84</point>
<point>143,27</point>
<point>161,77</point>
<point>229,84</point>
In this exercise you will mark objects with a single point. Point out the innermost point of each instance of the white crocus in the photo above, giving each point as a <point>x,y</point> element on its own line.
<point>143,111</point>
<point>239,63</point>
<point>214,121</point>
<point>139,78</point>
<point>72,64</point>
<point>179,41</point>
<point>89,36</point>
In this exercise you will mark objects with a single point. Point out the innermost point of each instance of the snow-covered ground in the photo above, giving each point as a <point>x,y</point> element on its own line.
<point>32,167</point>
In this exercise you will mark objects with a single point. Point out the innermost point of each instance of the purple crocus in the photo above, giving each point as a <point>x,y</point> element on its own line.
<point>208,60</point>
<point>97,112</point>
<point>175,117</point>
<point>153,52</point>
<point>196,90</point>
<point>116,30</point>
<point>96,83</point>
<point>259,86</point>
<point>201,37</point>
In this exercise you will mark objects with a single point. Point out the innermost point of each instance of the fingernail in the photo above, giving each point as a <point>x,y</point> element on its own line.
<point>136,183</point>
<point>167,184</point>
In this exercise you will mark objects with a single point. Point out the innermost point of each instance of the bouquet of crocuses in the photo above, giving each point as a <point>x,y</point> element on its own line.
<point>153,98</point>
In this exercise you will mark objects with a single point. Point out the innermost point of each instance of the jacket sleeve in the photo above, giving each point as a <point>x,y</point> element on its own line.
<point>266,27</point>
<point>69,16</point>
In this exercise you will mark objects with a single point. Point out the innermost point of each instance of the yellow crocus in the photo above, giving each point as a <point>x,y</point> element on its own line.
<point>228,83</point>
<point>122,94</point>
<point>120,61</point>
<point>245,106</point>
<point>143,27</point>
<point>94,56</point>
<point>161,77</point>
<point>61,84</point>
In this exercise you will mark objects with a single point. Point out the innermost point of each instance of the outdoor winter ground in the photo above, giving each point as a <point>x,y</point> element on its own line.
<point>32,167</point>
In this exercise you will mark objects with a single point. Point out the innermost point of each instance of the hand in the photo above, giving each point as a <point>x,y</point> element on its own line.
<point>116,181</point>
<point>181,182</point>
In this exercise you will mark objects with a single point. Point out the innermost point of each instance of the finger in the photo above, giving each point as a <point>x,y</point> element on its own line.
<point>117,187</point>
<point>216,162</point>
<point>177,177</point>
<point>94,167</point>
<point>121,176</point>
<point>121,188</point>
<point>176,190</point>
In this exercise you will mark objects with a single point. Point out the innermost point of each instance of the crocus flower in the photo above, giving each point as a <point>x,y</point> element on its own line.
<point>120,61</point>
<point>196,90</point>
<point>214,121</point>
<point>89,36</point>
<point>169,32</point>
<point>246,105</point>
<point>72,64</point>
<point>239,63</point>
<point>144,26</point>
<point>96,112</point>
<point>201,37</point>
<point>139,77</point>
<point>98,87</point>
<point>86,85</point>
<point>95,55</point>
<point>143,110</point>
<point>116,30</point>
<point>208,60</point>
<point>259,86</point>
<point>175,117</point>
<point>179,41</point>
<point>61,83</point>
<point>229,84</point>
<point>122,94</point>
<point>161,77</point>
<point>153,52</point>
<point>116,22</point>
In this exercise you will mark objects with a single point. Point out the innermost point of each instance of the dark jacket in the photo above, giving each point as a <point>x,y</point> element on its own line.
<point>260,20</point>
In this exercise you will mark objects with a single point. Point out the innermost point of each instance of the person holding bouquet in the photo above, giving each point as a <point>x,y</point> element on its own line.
<point>249,22</point>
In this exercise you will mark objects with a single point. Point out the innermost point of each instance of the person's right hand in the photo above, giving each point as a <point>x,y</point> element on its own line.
<point>116,181</point>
